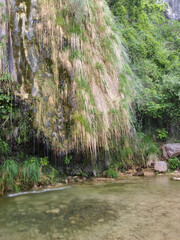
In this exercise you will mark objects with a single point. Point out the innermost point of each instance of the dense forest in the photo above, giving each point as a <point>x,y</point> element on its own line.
<point>85,90</point>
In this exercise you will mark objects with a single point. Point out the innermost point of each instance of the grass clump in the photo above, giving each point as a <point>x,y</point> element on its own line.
<point>112,173</point>
<point>99,67</point>
<point>9,171</point>
<point>76,54</point>
<point>16,175</point>
<point>31,170</point>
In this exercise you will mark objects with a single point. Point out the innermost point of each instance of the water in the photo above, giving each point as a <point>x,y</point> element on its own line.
<point>130,209</point>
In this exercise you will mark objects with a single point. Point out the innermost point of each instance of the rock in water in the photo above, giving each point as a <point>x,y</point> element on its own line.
<point>171,150</point>
<point>176,178</point>
<point>160,166</point>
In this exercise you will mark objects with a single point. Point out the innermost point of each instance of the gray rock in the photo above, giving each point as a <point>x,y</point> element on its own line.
<point>47,124</point>
<point>176,178</point>
<point>173,10</point>
<point>160,166</point>
<point>171,150</point>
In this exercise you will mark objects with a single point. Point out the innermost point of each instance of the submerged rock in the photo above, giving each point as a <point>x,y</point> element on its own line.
<point>160,166</point>
<point>55,210</point>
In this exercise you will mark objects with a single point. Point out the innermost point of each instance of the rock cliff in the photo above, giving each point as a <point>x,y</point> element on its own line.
<point>67,62</point>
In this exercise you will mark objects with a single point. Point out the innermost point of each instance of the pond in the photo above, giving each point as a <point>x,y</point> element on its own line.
<point>127,209</point>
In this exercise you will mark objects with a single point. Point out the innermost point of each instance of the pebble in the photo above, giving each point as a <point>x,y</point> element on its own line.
<point>101,220</point>
<point>56,210</point>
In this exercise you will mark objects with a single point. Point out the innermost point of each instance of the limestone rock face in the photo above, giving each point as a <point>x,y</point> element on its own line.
<point>160,166</point>
<point>65,61</point>
<point>171,150</point>
<point>174,9</point>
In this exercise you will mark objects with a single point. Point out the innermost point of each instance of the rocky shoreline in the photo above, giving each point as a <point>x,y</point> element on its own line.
<point>147,172</point>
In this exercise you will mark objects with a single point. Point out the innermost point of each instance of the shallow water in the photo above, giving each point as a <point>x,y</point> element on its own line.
<point>130,209</point>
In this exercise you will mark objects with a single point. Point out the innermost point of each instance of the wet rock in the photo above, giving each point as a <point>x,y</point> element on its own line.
<point>49,114</point>
<point>171,150</point>
<point>176,178</point>
<point>76,179</point>
<point>47,124</point>
<point>149,172</point>
<point>160,166</point>
<point>139,172</point>
<point>70,179</point>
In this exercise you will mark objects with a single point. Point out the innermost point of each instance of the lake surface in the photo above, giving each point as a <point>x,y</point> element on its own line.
<point>129,209</point>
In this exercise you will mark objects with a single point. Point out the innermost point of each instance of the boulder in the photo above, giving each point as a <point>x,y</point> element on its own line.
<point>160,166</point>
<point>171,150</point>
<point>176,179</point>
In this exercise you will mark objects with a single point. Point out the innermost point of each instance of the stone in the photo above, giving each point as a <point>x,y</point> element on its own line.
<point>160,166</point>
<point>173,10</point>
<point>101,220</point>
<point>176,178</point>
<point>55,210</point>
<point>171,150</point>
<point>149,172</point>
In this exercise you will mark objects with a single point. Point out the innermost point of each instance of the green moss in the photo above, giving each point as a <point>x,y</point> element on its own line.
<point>76,54</point>
<point>60,19</point>
<point>99,67</point>
<point>84,122</point>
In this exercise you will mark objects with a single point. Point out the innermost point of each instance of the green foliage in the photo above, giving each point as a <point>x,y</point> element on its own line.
<point>67,159</point>
<point>52,175</point>
<point>81,173</point>
<point>174,163</point>
<point>44,161</point>
<point>162,133</point>
<point>153,46</point>
<point>9,172</point>
<point>15,176</point>
<point>4,148</point>
<point>112,173</point>
<point>31,170</point>
<point>76,54</point>
<point>60,19</point>
<point>5,106</point>
<point>99,66</point>
<point>144,148</point>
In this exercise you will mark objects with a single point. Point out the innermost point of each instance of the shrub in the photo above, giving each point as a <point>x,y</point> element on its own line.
<point>9,172</point>
<point>111,173</point>
<point>4,148</point>
<point>174,163</point>
<point>31,170</point>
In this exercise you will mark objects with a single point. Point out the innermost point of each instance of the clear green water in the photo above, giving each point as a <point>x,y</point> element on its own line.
<point>131,209</point>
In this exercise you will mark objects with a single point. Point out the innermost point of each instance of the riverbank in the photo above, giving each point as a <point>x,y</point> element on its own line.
<point>147,172</point>
<point>69,180</point>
